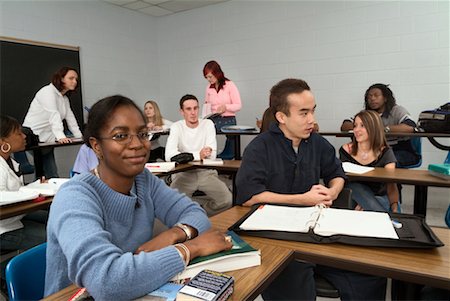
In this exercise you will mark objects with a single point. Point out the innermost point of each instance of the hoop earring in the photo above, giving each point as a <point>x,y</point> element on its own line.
<point>3,147</point>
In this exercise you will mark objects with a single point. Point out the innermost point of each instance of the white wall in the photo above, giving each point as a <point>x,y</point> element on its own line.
<point>339,47</point>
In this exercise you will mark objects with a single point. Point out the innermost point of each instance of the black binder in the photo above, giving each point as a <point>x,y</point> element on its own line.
<point>414,233</point>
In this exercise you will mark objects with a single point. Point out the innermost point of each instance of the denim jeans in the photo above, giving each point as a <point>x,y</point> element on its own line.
<point>365,197</point>
<point>228,151</point>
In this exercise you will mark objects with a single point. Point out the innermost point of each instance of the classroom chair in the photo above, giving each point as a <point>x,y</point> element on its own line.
<point>25,274</point>
<point>416,144</point>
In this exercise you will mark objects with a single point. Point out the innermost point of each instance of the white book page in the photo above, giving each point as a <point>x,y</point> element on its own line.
<point>281,218</point>
<point>356,223</point>
<point>48,188</point>
<point>355,168</point>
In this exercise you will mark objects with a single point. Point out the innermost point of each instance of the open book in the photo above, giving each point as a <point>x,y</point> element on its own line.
<point>48,188</point>
<point>241,256</point>
<point>321,220</point>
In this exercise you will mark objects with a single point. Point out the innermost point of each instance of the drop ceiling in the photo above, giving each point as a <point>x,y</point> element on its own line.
<point>158,8</point>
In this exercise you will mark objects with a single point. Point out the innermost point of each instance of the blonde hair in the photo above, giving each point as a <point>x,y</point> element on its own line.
<point>157,119</point>
<point>375,130</point>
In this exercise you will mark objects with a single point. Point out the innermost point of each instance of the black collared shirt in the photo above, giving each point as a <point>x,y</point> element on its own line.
<point>269,163</point>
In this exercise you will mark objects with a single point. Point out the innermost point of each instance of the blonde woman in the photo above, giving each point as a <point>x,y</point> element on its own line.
<point>155,122</point>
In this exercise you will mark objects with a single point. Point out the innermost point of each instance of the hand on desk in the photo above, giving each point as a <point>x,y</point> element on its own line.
<point>205,152</point>
<point>65,140</point>
<point>164,239</point>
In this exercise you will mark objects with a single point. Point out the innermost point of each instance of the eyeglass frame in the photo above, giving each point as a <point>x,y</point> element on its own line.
<point>127,141</point>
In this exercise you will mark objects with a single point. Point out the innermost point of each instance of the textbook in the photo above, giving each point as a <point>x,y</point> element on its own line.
<point>440,170</point>
<point>215,162</point>
<point>355,168</point>
<point>48,188</point>
<point>321,220</point>
<point>240,256</point>
<point>207,285</point>
<point>160,166</point>
<point>330,225</point>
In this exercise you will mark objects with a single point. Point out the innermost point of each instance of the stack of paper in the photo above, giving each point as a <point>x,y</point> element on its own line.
<point>217,161</point>
<point>355,168</point>
<point>160,166</point>
<point>48,188</point>
<point>10,197</point>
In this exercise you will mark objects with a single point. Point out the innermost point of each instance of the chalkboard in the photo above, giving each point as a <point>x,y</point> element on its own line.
<point>26,67</point>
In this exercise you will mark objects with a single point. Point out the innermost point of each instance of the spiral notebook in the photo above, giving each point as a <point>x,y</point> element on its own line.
<point>321,220</point>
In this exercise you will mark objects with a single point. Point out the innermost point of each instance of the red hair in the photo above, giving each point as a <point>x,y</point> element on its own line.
<point>214,68</point>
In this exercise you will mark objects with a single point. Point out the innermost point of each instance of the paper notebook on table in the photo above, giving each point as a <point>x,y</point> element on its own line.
<point>48,188</point>
<point>215,162</point>
<point>160,166</point>
<point>322,221</point>
<point>355,168</point>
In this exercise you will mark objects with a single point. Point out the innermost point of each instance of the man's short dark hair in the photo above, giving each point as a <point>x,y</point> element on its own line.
<point>186,97</point>
<point>280,92</point>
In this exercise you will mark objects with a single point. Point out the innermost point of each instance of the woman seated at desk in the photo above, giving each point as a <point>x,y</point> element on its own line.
<point>100,228</point>
<point>18,232</point>
<point>155,122</point>
<point>369,148</point>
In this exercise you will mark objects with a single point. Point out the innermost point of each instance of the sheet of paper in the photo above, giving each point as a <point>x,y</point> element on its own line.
<point>281,218</point>
<point>355,223</point>
<point>355,168</point>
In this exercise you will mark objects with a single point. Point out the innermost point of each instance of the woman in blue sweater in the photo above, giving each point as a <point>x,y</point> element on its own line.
<point>100,225</point>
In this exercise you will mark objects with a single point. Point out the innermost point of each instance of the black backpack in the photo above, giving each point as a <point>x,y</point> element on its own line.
<point>436,121</point>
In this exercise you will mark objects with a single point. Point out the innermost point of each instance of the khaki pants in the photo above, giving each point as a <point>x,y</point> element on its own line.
<point>207,181</point>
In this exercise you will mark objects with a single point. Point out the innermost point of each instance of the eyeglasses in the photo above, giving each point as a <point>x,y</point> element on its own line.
<point>125,138</point>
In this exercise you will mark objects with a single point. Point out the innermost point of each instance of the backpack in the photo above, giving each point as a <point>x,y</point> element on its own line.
<point>437,120</point>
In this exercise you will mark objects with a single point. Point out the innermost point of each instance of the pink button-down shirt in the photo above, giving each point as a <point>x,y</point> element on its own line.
<point>228,96</point>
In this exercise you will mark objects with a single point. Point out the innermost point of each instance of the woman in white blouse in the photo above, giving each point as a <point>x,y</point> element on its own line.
<point>47,111</point>
<point>16,234</point>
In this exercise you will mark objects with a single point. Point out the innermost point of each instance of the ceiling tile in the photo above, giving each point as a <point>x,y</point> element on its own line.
<point>155,11</point>
<point>154,2</point>
<point>177,6</point>
<point>120,2</point>
<point>136,5</point>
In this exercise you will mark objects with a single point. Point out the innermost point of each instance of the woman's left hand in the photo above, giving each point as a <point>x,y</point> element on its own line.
<point>221,109</point>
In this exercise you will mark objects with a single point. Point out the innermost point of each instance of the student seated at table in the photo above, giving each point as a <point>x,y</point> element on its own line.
<point>100,225</point>
<point>155,122</point>
<point>369,148</point>
<point>380,98</point>
<point>284,165</point>
<point>49,107</point>
<point>23,231</point>
<point>197,137</point>
<point>85,161</point>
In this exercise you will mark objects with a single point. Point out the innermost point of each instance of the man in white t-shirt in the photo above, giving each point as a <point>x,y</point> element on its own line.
<point>197,137</point>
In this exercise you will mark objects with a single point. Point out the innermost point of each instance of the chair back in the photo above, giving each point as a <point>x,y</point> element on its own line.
<point>344,199</point>
<point>25,274</point>
<point>416,144</point>
<point>447,160</point>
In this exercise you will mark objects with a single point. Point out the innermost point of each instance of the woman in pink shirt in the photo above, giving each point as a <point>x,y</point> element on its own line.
<point>223,97</point>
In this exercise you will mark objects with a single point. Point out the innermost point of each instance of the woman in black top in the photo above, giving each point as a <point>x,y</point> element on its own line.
<point>369,148</point>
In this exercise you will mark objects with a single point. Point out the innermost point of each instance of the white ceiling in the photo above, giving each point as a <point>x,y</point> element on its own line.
<point>159,8</point>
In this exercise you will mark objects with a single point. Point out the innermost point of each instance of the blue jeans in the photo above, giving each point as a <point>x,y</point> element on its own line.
<point>228,150</point>
<point>365,197</point>
<point>49,163</point>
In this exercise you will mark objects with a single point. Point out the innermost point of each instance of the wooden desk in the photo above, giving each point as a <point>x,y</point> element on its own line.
<point>249,282</point>
<point>421,179</point>
<point>15,209</point>
<point>422,266</point>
